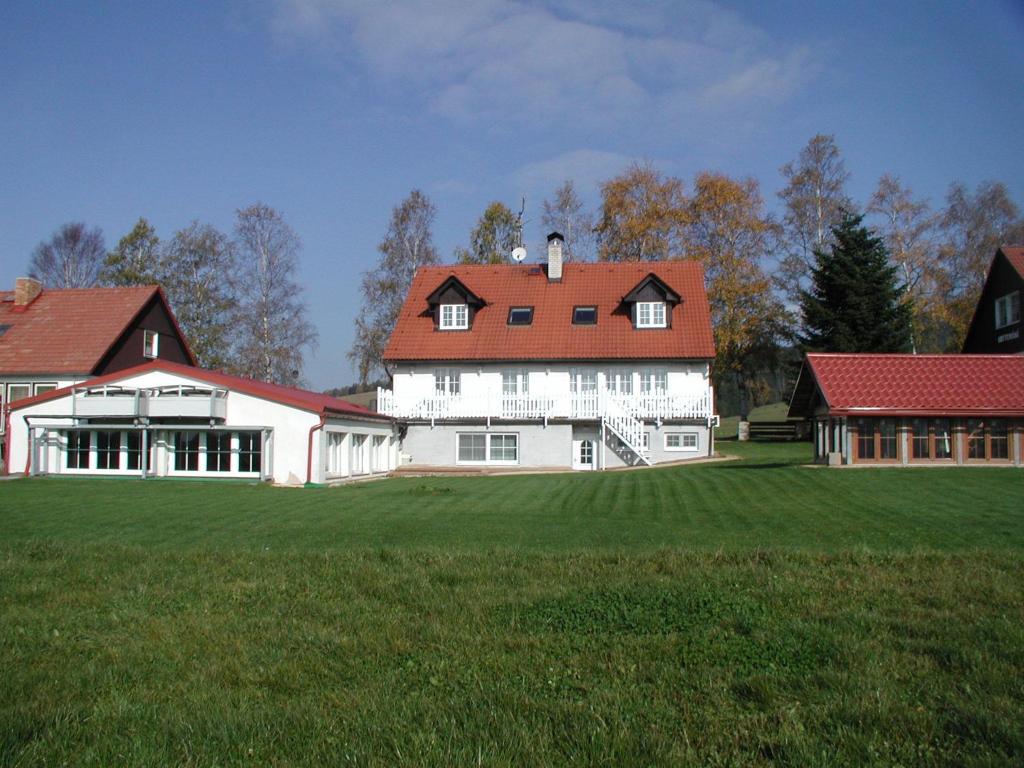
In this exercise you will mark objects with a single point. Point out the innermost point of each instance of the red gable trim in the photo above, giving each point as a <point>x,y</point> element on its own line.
<point>302,399</point>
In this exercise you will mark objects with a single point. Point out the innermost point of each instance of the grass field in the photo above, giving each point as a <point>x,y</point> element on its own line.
<point>755,612</point>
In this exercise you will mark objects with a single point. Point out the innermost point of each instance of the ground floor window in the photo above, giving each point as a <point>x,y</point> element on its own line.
<point>218,451</point>
<point>105,449</point>
<point>987,439</point>
<point>931,439</point>
<point>680,441</point>
<point>876,439</point>
<point>487,448</point>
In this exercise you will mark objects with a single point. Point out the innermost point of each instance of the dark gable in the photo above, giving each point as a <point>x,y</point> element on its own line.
<point>454,291</point>
<point>652,288</point>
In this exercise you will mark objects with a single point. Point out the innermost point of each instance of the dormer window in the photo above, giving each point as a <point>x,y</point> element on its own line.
<point>650,314</point>
<point>584,316</point>
<point>520,316</point>
<point>1008,309</point>
<point>454,317</point>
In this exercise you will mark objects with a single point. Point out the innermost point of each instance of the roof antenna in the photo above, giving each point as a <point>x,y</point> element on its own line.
<point>519,252</point>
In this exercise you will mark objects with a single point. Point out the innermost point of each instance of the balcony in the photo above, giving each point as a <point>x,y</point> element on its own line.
<point>178,401</point>
<point>592,405</point>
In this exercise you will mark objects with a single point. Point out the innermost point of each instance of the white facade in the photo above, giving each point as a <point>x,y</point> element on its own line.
<point>616,408</point>
<point>162,424</point>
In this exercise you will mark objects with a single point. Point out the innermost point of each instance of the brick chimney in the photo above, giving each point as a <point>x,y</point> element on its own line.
<point>555,240</point>
<point>25,291</point>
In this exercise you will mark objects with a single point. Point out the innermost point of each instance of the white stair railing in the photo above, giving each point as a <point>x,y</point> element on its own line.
<point>626,427</point>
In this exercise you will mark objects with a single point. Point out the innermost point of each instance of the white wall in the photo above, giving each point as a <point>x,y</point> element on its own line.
<point>287,450</point>
<point>413,383</point>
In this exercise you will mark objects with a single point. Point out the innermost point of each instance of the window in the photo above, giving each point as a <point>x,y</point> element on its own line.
<point>218,451</point>
<point>646,442</point>
<point>473,447</point>
<point>18,391</point>
<point>587,453</point>
<point>1008,309</point>
<point>487,448</point>
<point>515,383</point>
<point>150,344</point>
<point>987,440</point>
<point>337,458</point>
<point>582,380</point>
<point>447,381</point>
<point>249,451</point>
<point>454,316</point>
<point>108,450</point>
<point>942,438</point>
<point>48,387</point>
<point>650,314</point>
<point>358,454</point>
<point>4,329</point>
<point>654,381</point>
<point>186,451</point>
<point>998,437</point>
<point>887,439</point>
<point>680,441</point>
<point>584,316</point>
<point>865,438</point>
<point>619,382</point>
<point>520,316</point>
<point>133,441</point>
<point>876,438</point>
<point>79,445</point>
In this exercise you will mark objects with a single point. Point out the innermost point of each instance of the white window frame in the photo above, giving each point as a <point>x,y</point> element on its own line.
<point>150,344</point>
<point>44,386</point>
<point>650,314</point>
<point>1007,310</point>
<point>645,441</point>
<point>27,386</point>
<point>619,381</point>
<point>515,381</point>
<point>580,376</point>
<point>687,441</point>
<point>488,456</point>
<point>453,317</point>
<point>654,381</point>
<point>447,381</point>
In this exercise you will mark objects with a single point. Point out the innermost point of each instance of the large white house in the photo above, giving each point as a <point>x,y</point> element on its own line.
<point>163,419</point>
<point>585,366</point>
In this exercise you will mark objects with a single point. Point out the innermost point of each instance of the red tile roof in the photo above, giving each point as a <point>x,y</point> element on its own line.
<point>921,384</point>
<point>68,330</point>
<point>1015,255</point>
<point>297,398</point>
<point>552,336</point>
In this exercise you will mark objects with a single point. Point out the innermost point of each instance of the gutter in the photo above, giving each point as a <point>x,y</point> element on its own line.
<point>309,450</point>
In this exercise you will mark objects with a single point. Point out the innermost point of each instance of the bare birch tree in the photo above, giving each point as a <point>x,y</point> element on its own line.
<point>71,258</point>
<point>196,269</point>
<point>271,328</point>
<point>407,245</point>
<point>815,200</point>
<point>906,228</point>
<point>564,213</point>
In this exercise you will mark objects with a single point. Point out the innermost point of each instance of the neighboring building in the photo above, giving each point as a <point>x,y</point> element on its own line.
<point>578,365</point>
<point>53,338</point>
<point>913,409</point>
<point>996,326</point>
<point>163,419</point>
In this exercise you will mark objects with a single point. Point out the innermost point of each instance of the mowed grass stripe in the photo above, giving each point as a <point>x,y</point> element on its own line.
<point>766,499</point>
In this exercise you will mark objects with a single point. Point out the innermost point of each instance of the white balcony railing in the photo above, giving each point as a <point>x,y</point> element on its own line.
<point>595,404</point>
<point>156,402</point>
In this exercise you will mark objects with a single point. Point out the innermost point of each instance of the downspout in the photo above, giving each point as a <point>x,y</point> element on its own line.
<point>7,439</point>
<point>309,454</point>
<point>29,446</point>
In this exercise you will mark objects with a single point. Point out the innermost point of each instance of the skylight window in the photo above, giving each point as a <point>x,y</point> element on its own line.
<point>584,316</point>
<point>520,316</point>
<point>4,329</point>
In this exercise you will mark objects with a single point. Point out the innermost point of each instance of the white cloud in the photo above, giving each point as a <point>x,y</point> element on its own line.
<point>593,62</point>
<point>587,168</point>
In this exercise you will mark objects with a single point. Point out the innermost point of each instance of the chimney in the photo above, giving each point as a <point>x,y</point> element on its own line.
<point>555,257</point>
<point>25,291</point>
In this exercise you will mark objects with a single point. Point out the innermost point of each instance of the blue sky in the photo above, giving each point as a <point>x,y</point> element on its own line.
<point>333,110</point>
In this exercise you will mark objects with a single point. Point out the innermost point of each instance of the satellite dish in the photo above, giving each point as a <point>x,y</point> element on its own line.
<point>518,254</point>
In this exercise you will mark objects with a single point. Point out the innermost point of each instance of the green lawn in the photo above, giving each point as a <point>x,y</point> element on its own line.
<point>755,612</point>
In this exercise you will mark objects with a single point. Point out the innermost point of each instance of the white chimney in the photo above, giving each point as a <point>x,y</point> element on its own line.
<point>555,257</point>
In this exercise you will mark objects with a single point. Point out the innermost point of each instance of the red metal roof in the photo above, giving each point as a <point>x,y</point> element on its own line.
<point>921,384</point>
<point>552,336</point>
<point>298,398</point>
<point>69,330</point>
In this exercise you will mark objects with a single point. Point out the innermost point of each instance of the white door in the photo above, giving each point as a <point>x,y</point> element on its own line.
<point>584,453</point>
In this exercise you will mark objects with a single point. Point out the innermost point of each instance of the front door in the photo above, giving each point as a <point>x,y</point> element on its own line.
<point>584,452</point>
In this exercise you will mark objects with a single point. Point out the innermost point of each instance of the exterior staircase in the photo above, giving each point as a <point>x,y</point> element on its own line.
<point>625,426</point>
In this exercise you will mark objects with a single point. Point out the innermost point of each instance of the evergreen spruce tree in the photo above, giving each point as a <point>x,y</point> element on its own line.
<point>855,303</point>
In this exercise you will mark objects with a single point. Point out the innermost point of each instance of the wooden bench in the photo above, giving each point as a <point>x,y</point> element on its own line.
<point>779,430</point>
